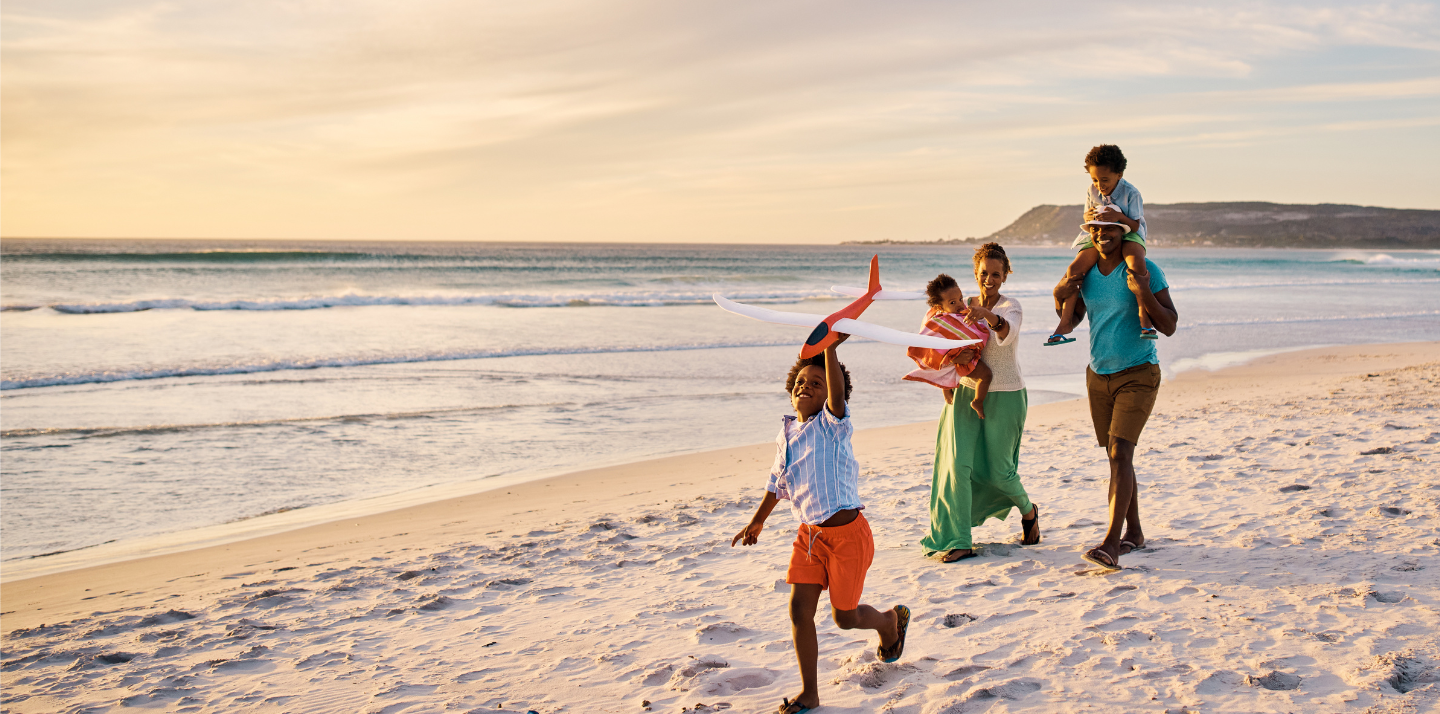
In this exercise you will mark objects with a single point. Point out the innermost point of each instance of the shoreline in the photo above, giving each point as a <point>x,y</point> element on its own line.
<point>1195,382</point>
<point>1287,502</point>
<point>266,524</point>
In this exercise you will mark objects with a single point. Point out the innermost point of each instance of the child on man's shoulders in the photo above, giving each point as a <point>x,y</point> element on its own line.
<point>1110,199</point>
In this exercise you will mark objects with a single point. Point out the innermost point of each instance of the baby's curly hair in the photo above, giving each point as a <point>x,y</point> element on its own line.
<point>1106,156</point>
<point>991,251</point>
<point>816,361</point>
<point>937,287</point>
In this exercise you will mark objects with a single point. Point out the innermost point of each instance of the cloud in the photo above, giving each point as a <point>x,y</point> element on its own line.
<point>500,117</point>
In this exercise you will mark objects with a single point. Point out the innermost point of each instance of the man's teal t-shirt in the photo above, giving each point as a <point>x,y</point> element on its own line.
<point>1114,314</point>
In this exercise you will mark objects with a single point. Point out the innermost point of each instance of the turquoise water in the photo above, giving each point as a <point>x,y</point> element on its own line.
<point>148,387</point>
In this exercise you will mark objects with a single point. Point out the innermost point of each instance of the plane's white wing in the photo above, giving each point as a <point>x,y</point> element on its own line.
<point>798,319</point>
<point>897,337</point>
<point>848,326</point>
<point>882,295</point>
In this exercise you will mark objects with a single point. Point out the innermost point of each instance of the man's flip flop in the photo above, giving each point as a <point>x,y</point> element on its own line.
<point>785,705</point>
<point>898,648</point>
<point>1131,546</point>
<point>1149,334</point>
<point>1062,341</point>
<point>1094,555</point>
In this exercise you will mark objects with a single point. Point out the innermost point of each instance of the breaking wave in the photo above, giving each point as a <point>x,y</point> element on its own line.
<point>100,377</point>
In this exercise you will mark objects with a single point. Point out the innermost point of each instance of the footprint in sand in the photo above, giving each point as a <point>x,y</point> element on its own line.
<point>963,671</point>
<point>721,633</point>
<point>1277,681</point>
<point>984,697</point>
<point>957,620</point>
<point>1175,596</point>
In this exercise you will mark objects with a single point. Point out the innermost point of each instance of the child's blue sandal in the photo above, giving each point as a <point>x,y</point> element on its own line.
<point>785,705</point>
<point>892,654</point>
<point>1149,333</point>
<point>1058,339</point>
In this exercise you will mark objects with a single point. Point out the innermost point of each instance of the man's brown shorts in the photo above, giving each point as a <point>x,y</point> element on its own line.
<point>1120,403</point>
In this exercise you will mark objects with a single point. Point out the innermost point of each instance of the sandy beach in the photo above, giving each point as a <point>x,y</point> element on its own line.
<point>1289,504</point>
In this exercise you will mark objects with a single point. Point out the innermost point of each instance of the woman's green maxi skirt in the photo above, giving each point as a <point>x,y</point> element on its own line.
<point>975,474</point>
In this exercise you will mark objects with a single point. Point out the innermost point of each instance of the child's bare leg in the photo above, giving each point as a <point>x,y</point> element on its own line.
<point>1135,262</point>
<point>1084,261</point>
<point>982,376</point>
<point>803,599</point>
<point>865,617</point>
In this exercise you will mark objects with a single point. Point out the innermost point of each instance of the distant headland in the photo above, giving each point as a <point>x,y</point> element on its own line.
<point>1243,224</point>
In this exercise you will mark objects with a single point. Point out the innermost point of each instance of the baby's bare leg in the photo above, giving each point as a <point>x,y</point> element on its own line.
<point>982,376</point>
<point>1084,261</point>
<point>1135,262</point>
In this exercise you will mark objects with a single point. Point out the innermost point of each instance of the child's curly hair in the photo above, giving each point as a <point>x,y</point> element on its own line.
<point>816,361</point>
<point>937,287</point>
<point>990,251</point>
<point>1106,156</point>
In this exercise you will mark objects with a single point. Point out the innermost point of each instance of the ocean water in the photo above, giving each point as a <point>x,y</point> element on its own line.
<point>151,387</point>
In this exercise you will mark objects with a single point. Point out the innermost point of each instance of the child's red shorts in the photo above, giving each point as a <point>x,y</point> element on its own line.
<point>835,558</point>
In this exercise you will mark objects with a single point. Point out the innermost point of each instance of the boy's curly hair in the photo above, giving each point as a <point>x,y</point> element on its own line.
<point>816,361</point>
<point>937,287</point>
<point>991,251</point>
<point>1106,156</point>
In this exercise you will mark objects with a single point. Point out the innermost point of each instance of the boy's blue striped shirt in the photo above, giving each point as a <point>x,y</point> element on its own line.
<point>815,466</point>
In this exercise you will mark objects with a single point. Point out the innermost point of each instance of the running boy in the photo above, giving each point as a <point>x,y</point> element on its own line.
<point>815,468</point>
<point>1111,199</point>
<point>946,319</point>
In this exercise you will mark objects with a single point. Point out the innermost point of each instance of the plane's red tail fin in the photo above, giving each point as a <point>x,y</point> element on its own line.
<point>875,275</point>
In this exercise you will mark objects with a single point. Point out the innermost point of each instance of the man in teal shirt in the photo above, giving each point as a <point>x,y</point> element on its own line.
<point>1124,374</point>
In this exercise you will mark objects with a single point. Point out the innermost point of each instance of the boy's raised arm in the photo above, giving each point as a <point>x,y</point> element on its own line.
<point>834,383</point>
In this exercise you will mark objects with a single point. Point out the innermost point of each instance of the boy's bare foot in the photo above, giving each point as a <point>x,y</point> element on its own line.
<point>799,704</point>
<point>979,407</point>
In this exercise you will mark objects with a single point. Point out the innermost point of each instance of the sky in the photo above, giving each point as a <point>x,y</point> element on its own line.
<point>692,120</point>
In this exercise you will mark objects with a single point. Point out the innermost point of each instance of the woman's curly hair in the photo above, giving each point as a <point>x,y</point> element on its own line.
<point>1106,156</point>
<point>937,287</point>
<point>816,361</point>
<point>992,251</point>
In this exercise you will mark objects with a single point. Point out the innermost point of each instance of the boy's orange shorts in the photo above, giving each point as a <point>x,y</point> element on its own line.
<point>836,559</point>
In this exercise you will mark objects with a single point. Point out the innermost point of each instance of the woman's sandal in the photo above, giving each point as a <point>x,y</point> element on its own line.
<point>902,623</point>
<point>947,559</point>
<point>1031,528</point>
<point>1051,341</point>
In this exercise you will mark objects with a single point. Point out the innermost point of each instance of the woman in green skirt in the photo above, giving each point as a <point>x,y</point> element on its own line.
<point>975,459</point>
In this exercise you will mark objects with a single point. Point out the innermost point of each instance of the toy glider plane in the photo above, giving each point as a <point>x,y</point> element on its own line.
<point>844,321</point>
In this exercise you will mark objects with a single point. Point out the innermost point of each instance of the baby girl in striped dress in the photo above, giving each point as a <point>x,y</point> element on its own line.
<point>946,319</point>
